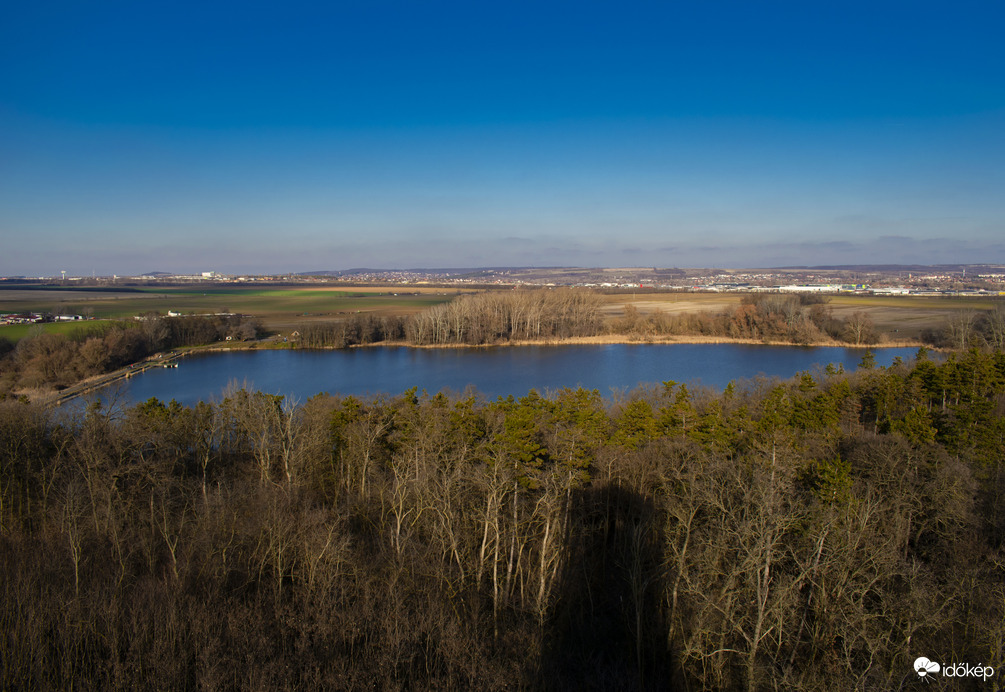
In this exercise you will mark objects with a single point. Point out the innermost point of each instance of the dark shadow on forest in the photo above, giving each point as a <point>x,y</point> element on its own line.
<point>607,630</point>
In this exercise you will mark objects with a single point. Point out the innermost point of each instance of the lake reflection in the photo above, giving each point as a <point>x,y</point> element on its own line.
<point>496,371</point>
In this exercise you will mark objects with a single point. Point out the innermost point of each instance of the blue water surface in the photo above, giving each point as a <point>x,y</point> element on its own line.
<point>493,371</point>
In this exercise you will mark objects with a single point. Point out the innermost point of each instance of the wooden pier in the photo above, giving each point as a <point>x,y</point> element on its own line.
<point>167,360</point>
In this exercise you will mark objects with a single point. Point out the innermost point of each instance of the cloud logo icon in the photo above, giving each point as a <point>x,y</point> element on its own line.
<point>923,667</point>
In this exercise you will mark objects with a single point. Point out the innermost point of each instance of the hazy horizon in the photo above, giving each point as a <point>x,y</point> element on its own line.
<point>166,272</point>
<point>248,138</point>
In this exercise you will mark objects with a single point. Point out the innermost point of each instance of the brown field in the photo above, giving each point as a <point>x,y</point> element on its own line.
<point>34,296</point>
<point>899,317</point>
<point>670,303</point>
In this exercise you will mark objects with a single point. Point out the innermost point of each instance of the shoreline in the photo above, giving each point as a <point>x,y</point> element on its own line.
<point>598,340</point>
<point>607,339</point>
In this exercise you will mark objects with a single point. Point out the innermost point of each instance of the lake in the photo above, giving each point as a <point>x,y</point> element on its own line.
<point>494,371</point>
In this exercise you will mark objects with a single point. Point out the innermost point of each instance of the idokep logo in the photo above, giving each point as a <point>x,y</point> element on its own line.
<point>923,667</point>
<point>926,668</point>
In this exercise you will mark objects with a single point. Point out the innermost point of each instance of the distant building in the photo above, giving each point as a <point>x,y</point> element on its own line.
<point>810,288</point>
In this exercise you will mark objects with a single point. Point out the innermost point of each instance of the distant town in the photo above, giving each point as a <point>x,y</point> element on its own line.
<point>948,280</point>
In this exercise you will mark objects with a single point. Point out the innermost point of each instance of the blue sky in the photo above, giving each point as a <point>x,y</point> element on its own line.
<point>254,137</point>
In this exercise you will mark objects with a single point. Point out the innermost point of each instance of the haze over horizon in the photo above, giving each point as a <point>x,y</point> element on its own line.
<point>249,138</point>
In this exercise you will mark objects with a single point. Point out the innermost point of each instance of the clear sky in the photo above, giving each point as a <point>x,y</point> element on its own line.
<point>275,137</point>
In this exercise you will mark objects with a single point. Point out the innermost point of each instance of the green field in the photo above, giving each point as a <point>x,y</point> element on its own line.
<point>906,317</point>
<point>16,332</point>
<point>276,306</point>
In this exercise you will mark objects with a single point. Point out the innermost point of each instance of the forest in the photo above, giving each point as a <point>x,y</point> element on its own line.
<point>814,534</point>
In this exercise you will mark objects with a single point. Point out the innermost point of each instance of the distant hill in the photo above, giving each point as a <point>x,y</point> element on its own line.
<point>474,271</point>
<point>420,270</point>
<point>899,267</point>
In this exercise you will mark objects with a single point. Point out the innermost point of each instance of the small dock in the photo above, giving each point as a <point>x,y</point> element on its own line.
<point>167,360</point>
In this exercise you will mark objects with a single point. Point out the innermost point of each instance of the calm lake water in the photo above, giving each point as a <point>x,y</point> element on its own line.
<point>493,371</point>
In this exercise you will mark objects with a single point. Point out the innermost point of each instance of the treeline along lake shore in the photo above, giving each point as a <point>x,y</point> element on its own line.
<point>41,363</point>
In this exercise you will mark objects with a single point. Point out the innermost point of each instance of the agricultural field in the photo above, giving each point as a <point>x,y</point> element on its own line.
<point>277,307</point>
<point>900,317</point>
<point>669,303</point>
<point>905,317</point>
<point>16,332</point>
